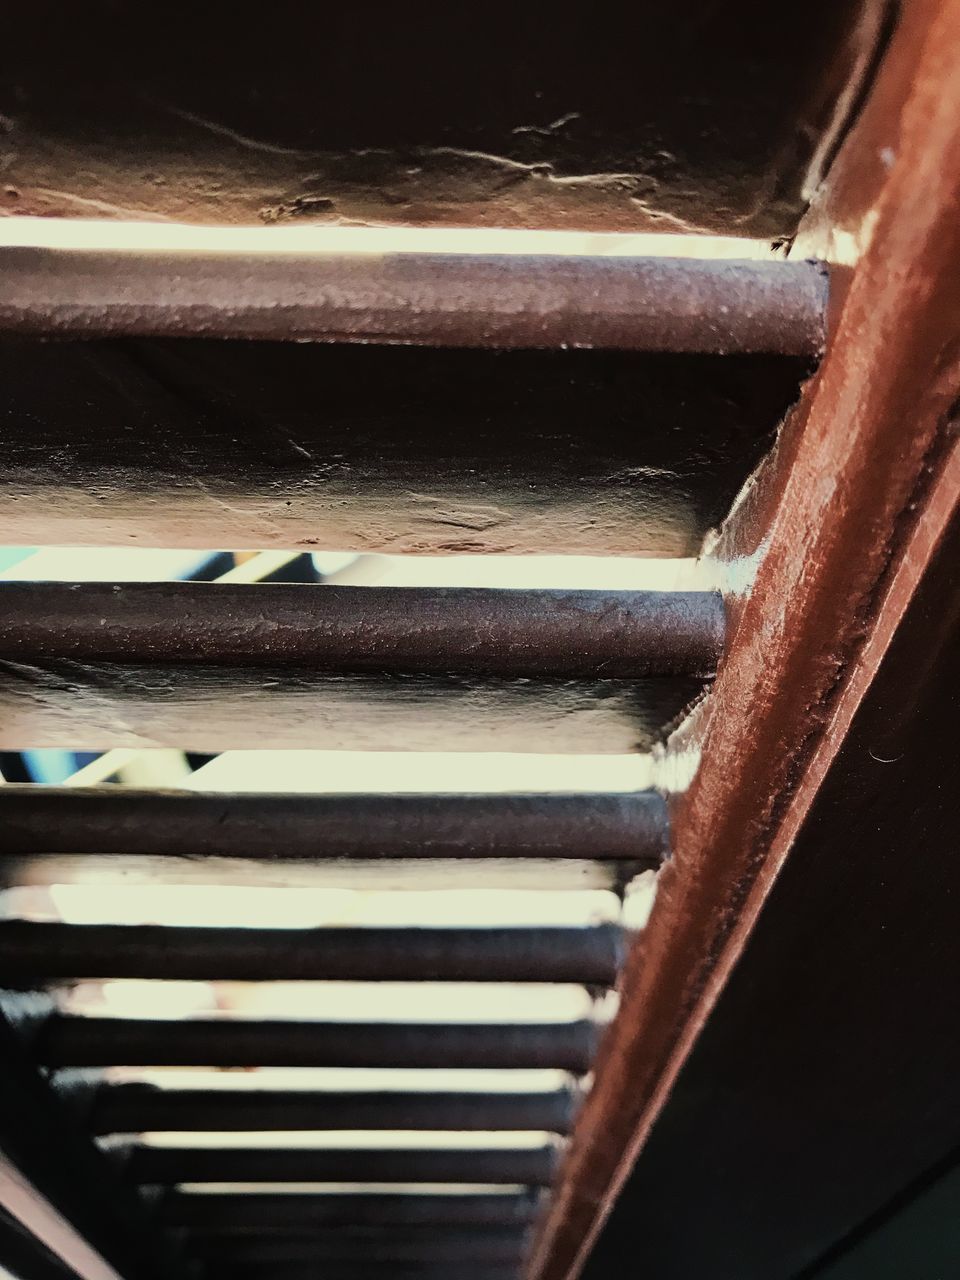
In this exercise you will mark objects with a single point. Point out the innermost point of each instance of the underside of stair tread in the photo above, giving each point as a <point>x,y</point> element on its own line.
<point>700,119</point>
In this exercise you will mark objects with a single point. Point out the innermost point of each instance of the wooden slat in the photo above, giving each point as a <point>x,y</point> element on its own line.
<point>452,300</point>
<point>666,121</point>
<point>64,1041</point>
<point>534,1166</point>
<point>246,1212</point>
<point>99,706</point>
<point>37,952</point>
<point>138,1108</point>
<point>404,630</point>
<point>301,446</point>
<point>124,821</point>
<point>367,1271</point>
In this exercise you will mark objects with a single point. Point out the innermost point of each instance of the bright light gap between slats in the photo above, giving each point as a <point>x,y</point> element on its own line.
<point>353,1188</point>
<point>170,237</point>
<point>265,907</point>
<point>346,1139</point>
<point>397,1002</point>
<point>372,1079</point>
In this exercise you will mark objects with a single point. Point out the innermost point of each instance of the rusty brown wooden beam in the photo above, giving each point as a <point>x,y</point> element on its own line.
<point>847,511</point>
<point>701,119</point>
<point>36,952</point>
<point>641,304</point>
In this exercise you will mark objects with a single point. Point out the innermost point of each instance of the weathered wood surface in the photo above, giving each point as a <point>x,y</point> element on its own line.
<point>842,520</point>
<point>654,119</point>
<point>96,706</point>
<point>395,449</point>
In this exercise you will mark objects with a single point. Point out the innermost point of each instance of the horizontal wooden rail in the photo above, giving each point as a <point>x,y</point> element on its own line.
<point>95,706</point>
<point>38,952</point>
<point>644,304</point>
<point>534,1166</point>
<point>139,1108</point>
<point>367,448</point>
<point>228,1213</point>
<point>470,631</point>
<point>66,1041</point>
<point>489,1245</point>
<point>120,821</point>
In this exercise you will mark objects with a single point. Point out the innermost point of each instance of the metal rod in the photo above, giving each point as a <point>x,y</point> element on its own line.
<point>533,1166</point>
<point>489,1245</point>
<point>364,1271</point>
<point>35,952</point>
<point>469,631</point>
<point>121,820</point>
<point>648,304</point>
<point>138,1108</point>
<point>259,1211</point>
<point>64,1041</point>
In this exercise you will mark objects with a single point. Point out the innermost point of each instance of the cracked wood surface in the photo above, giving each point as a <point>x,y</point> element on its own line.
<point>700,118</point>
<point>395,449</point>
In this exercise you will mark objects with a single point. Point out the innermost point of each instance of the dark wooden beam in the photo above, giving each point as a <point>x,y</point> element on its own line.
<point>35,953</point>
<point>533,1166</point>
<point>441,299</point>
<point>58,1186</point>
<point>195,707</point>
<point>122,821</point>
<point>246,1212</point>
<point>366,1271</point>
<point>403,630</point>
<point>138,1108</point>
<point>65,1041</point>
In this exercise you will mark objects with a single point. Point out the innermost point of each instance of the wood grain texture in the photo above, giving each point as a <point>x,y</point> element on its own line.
<point>96,706</point>
<point>134,1107</point>
<point>649,120</point>
<point>501,301</point>
<point>34,952</point>
<point>396,449</point>
<point>825,1081</point>
<point>510,1166</point>
<point>66,1041</point>
<point>849,501</point>
<point>388,630</point>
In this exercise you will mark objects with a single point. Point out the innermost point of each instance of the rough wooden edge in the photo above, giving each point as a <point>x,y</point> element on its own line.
<point>843,520</point>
